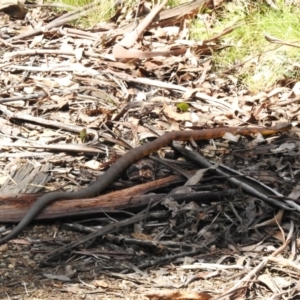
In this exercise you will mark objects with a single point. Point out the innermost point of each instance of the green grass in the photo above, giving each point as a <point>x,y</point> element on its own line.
<point>257,63</point>
<point>106,9</point>
<point>102,12</point>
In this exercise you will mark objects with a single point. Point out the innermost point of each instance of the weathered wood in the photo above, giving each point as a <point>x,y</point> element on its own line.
<point>26,178</point>
<point>14,8</point>
<point>13,208</point>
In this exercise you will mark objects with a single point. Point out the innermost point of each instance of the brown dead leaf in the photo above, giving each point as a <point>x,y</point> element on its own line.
<point>100,283</point>
<point>177,295</point>
<point>173,115</point>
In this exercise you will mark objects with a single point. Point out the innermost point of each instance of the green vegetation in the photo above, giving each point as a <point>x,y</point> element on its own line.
<point>102,12</point>
<point>76,2</point>
<point>106,9</point>
<point>247,55</point>
<point>258,63</point>
<point>173,3</point>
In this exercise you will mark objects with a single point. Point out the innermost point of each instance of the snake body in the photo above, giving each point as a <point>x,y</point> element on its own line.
<point>126,160</point>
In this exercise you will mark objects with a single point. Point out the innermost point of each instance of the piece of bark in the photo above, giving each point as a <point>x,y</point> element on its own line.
<point>26,178</point>
<point>13,208</point>
<point>14,8</point>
